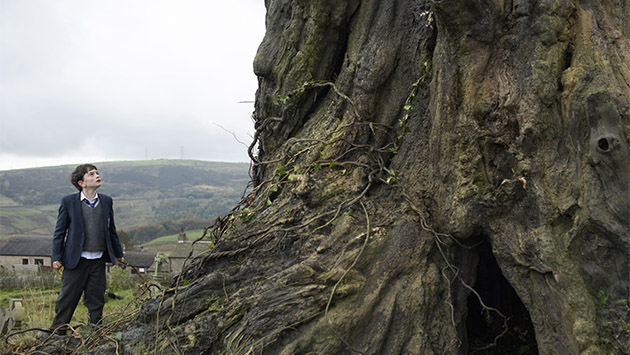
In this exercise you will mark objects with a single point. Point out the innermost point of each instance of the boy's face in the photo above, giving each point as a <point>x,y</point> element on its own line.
<point>91,180</point>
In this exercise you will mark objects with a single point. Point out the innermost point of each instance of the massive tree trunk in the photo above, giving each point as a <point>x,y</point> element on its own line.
<point>431,177</point>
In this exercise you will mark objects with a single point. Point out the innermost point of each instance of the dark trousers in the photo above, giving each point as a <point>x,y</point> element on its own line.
<point>89,278</point>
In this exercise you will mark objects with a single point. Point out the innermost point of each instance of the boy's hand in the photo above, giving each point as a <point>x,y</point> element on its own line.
<point>57,265</point>
<point>120,261</point>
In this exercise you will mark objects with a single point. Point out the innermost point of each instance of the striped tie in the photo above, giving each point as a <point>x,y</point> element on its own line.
<point>92,205</point>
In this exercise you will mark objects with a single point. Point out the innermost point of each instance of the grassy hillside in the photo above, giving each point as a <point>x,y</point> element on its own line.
<point>166,243</point>
<point>144,192</point>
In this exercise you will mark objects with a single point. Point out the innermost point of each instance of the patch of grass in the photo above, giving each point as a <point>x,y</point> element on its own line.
<point>39,306</point>
<point>191,235</point>
<point>36,220</point>
<point>7,202</point>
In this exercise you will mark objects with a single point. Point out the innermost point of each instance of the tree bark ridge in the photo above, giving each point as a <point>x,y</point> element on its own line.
<point>414,155</point>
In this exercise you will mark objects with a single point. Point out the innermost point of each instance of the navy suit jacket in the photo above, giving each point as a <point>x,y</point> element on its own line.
<point>69,234</point>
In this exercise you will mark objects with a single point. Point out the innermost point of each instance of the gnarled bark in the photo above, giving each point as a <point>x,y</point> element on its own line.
<point>431,177</point>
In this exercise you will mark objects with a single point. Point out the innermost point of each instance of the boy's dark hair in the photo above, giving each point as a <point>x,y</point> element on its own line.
<point>79,171</point>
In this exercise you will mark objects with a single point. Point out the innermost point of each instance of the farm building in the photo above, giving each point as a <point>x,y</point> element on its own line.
<point>25,250</point>
<point>182,250</point>
<point>139,260</point>
<point>28,250</point>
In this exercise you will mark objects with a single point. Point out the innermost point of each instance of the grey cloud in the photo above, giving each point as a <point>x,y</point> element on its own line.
<point>127,81</point>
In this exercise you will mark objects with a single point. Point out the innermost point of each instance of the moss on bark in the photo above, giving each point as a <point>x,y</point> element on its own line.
<point>364,228</point>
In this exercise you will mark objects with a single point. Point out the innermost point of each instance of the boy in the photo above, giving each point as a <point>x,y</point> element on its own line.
<point>84,240</point>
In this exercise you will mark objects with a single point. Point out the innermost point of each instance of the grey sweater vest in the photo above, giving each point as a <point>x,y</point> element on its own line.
<point>94,232</point>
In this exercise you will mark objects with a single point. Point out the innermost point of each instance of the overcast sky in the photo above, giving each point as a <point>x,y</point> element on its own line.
<point>91,81</point>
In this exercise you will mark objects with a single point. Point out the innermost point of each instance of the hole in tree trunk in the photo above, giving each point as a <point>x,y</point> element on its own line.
<point>483,327</point>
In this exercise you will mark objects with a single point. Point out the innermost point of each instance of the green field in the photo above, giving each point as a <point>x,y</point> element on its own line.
<point>169,239</point>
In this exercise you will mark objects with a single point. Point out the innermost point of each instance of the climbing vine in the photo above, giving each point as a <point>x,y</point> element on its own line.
<point>287,171</point>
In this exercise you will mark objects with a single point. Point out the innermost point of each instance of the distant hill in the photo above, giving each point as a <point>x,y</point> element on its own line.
<point>144,192</point>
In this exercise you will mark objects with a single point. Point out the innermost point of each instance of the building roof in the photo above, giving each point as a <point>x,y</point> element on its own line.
<point>27,246</point>
<point>139,258</point>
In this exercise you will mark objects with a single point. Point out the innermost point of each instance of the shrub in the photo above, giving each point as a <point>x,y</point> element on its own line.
<point>120,279</point>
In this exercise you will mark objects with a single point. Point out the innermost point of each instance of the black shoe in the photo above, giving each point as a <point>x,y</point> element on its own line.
<point>43,335</point>
<point>49,334</point>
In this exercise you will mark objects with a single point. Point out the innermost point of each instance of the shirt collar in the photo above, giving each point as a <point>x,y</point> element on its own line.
<point>83,197</point>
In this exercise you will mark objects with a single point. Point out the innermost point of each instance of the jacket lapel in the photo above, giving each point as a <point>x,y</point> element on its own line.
<point>105,214</point>
<point>78,213</point>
